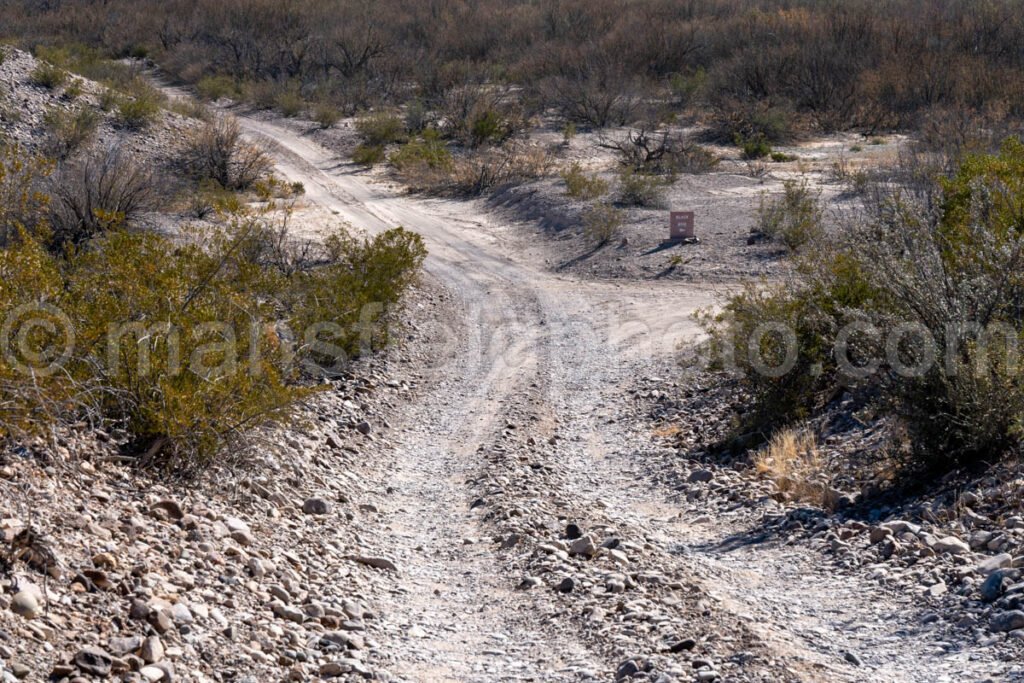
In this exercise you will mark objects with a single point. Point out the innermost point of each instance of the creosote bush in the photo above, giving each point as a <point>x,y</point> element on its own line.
<point>929,276</point>
<point>795,218</point>
<point>69,131</point>
<point>380,129</point>
<point>642,189</point>
<point>580,185</point>
<point>188,344</point>
<point>602,223</point>
<point>49,76</point>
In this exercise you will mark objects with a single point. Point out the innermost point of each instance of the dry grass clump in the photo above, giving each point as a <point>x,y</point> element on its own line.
<point>792,460</point>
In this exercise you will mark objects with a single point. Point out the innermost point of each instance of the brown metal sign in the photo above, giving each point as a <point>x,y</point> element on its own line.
<point>681,225</point>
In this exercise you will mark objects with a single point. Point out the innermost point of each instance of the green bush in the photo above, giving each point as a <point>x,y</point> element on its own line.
<point>755,147</point>
<point>138,111</point>
<point>327,115</point>
<point>380,129</point>
<point>489,127</point>
<point>368,155</point>
<point>213,88</point>
<point>579,185</point>
<point>69,131</point>
<point>48,76</point>
<point>602,223</point>
<point>188,344</point>
<point>289,102</point>
<point>934,272</point>
<point>427,150</point>
<point>23,204</point>
<point>641,189</point>
<point>795,218</point>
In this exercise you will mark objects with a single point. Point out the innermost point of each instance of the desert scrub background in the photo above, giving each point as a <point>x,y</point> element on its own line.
<point>929,273</point>
<point>188,343</point>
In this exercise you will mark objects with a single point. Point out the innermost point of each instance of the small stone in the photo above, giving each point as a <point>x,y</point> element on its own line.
<point>363,427</point>
<point>26,605</point>
<point>152,650</point>
<point>160,621</point>
<point>20,671</point>
<point>991,564</point>
<point>119,647</point>
<point>528,583</point>
<point>171,508</point>
<point>93,661</point>
<point>181,614</point>
<point>375,562</point>
<point>1007,621</point>
<point>241,537</point>
<point>583,546</point>
<point>682,645</point>
<point>701,476</point>
<point>105,561</point>
<point>951,545</point>
<point>996,584</point>
<point>879,534</point>
<point>627,669</point>
<point>316,506</point>
<point>152,673</point>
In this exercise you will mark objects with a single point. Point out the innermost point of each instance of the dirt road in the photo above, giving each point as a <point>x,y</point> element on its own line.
<point>519,434</point>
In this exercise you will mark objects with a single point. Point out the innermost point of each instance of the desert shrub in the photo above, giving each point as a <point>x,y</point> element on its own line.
<point>108,99</point>
<point>580,185</point>
<point>191,376</point>
<point>641,189</point>
<point>191,109</point>
<point>69,131</point>
<point>931,276</point>
<point>289,102</point>
<point>755,147</point>
<point>782,157</point>
<point>103,191</point>
<point>662,153</point>
<point>353,292</point>
<point>490,127</point>
<point>427,150</point>
<point>191,345</point>
<point>218,152</point>
<point>213,88</point>
<point>497,166</point>
<point>23,202</point>
<point>138,111</point>
<point>602,223</point>
<point>795,218</point>
<point>73,90</point>
<point>326,114</point>
<point>368,155</point>
<point>30,279</point>
<point>380,129</point>
<point>48,76</point>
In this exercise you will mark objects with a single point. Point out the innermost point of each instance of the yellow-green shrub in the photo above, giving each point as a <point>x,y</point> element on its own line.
<point>580,185</point>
